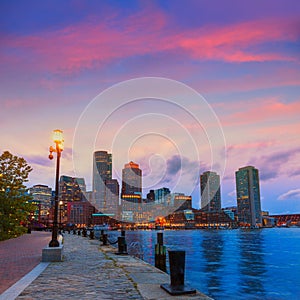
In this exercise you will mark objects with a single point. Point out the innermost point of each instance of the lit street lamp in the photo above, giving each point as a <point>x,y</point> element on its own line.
<point>58,140</point>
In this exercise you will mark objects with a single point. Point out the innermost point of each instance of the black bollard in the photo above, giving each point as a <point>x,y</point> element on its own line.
<point>74,231</point>
<point>122,246</point>
<point>101,235</point>
<point>92,234</point>
<point>104,239</point>
<point>79,232</point>
<point>160,253</point>
<point>123,232</point>
<point>84,232</point>
<point>68,231</point>
<point>177,266</point>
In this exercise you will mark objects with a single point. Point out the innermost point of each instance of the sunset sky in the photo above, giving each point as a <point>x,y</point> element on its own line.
<point>242,57</point>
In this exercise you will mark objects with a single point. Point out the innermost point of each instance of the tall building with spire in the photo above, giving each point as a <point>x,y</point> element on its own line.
<point>210,192</point>
<point>248,196</point>
<point>102,171</point>
<point>131,180</point>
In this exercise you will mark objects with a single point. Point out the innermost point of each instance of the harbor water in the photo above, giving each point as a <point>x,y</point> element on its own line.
<point>231,264</point>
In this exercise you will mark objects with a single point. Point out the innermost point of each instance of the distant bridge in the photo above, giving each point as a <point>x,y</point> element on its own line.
<point>290,219</point>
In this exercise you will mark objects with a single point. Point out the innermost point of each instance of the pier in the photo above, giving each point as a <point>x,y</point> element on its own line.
<point>89,270</point>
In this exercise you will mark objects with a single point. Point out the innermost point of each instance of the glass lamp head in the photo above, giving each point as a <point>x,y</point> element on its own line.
<point>58,136</point>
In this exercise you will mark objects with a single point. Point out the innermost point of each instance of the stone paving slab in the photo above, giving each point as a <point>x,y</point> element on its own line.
<point>89,271</point>
<point>148,278</point>
<point>85,273</point>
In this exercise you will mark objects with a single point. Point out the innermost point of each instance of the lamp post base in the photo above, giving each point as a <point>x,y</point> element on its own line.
<point>54,243</point>
<point>52,254</point>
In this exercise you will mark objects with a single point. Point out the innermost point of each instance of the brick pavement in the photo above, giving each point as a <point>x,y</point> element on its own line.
<point>20,255</point>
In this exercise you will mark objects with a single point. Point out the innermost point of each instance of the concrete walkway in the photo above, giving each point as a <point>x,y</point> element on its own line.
<point>91,271</point>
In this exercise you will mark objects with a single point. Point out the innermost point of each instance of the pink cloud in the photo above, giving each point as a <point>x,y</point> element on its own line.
<point>261,110</point>
<point>281,130</point>
<point>94,43</point>
<point>90,44</point>
<point>15,103</point>
<point>275,77</point>
<point>251,145</point>
<point>230,43</point>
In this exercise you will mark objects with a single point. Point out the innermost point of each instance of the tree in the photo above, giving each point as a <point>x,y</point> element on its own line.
<point>14,198</point>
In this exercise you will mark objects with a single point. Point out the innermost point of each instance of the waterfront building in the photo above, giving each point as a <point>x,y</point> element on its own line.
<point>131,180</point>
<point>248,197</point>
<point>42,194</point>
<point>79,213</point>
<point>72,189</point>
<point>229,212</point>
<point>198,219</point>
<point>150,196</point>
<point>35,214</point>
<point>287,220</point>
<point>210,192</point>
<point>161,194</point>
<point>102,171</point>
<point>182,202</point>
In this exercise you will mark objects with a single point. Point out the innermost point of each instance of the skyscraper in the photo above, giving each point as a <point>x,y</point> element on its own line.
<point>210,192</point>
<point>248,196</point>
<point>71,188</point>
<point>102,170</point>
<point>131,179</point>
<point>160,194</point>
<point>112,196</point>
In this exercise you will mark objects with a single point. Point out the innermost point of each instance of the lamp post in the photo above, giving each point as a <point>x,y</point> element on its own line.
<point>60,213</point>
<point>58,140</point>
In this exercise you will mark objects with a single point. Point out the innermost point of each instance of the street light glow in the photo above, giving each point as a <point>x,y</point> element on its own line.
<point>58,136</point>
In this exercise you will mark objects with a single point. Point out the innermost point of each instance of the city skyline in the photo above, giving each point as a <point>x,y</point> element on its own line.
<point>210,185</point>
<point>241,57</point>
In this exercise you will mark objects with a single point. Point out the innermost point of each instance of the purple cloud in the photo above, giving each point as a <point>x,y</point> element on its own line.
<point>173,165</point>
<point>270,165</point>
<point>38,160</point>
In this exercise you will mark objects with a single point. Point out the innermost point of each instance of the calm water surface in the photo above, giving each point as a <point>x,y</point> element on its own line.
<point>232,264</point>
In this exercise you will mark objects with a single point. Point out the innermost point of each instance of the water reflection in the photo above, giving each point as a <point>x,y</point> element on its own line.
<point>140,245</point>
<point>233,264</point>
<point>251,264</point>
<point>212,245</point>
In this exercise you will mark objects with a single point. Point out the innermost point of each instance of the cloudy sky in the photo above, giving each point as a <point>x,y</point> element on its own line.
<point>80,66</point>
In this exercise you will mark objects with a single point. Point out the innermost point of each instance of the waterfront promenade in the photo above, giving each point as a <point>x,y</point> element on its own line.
<point>88,271</point>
